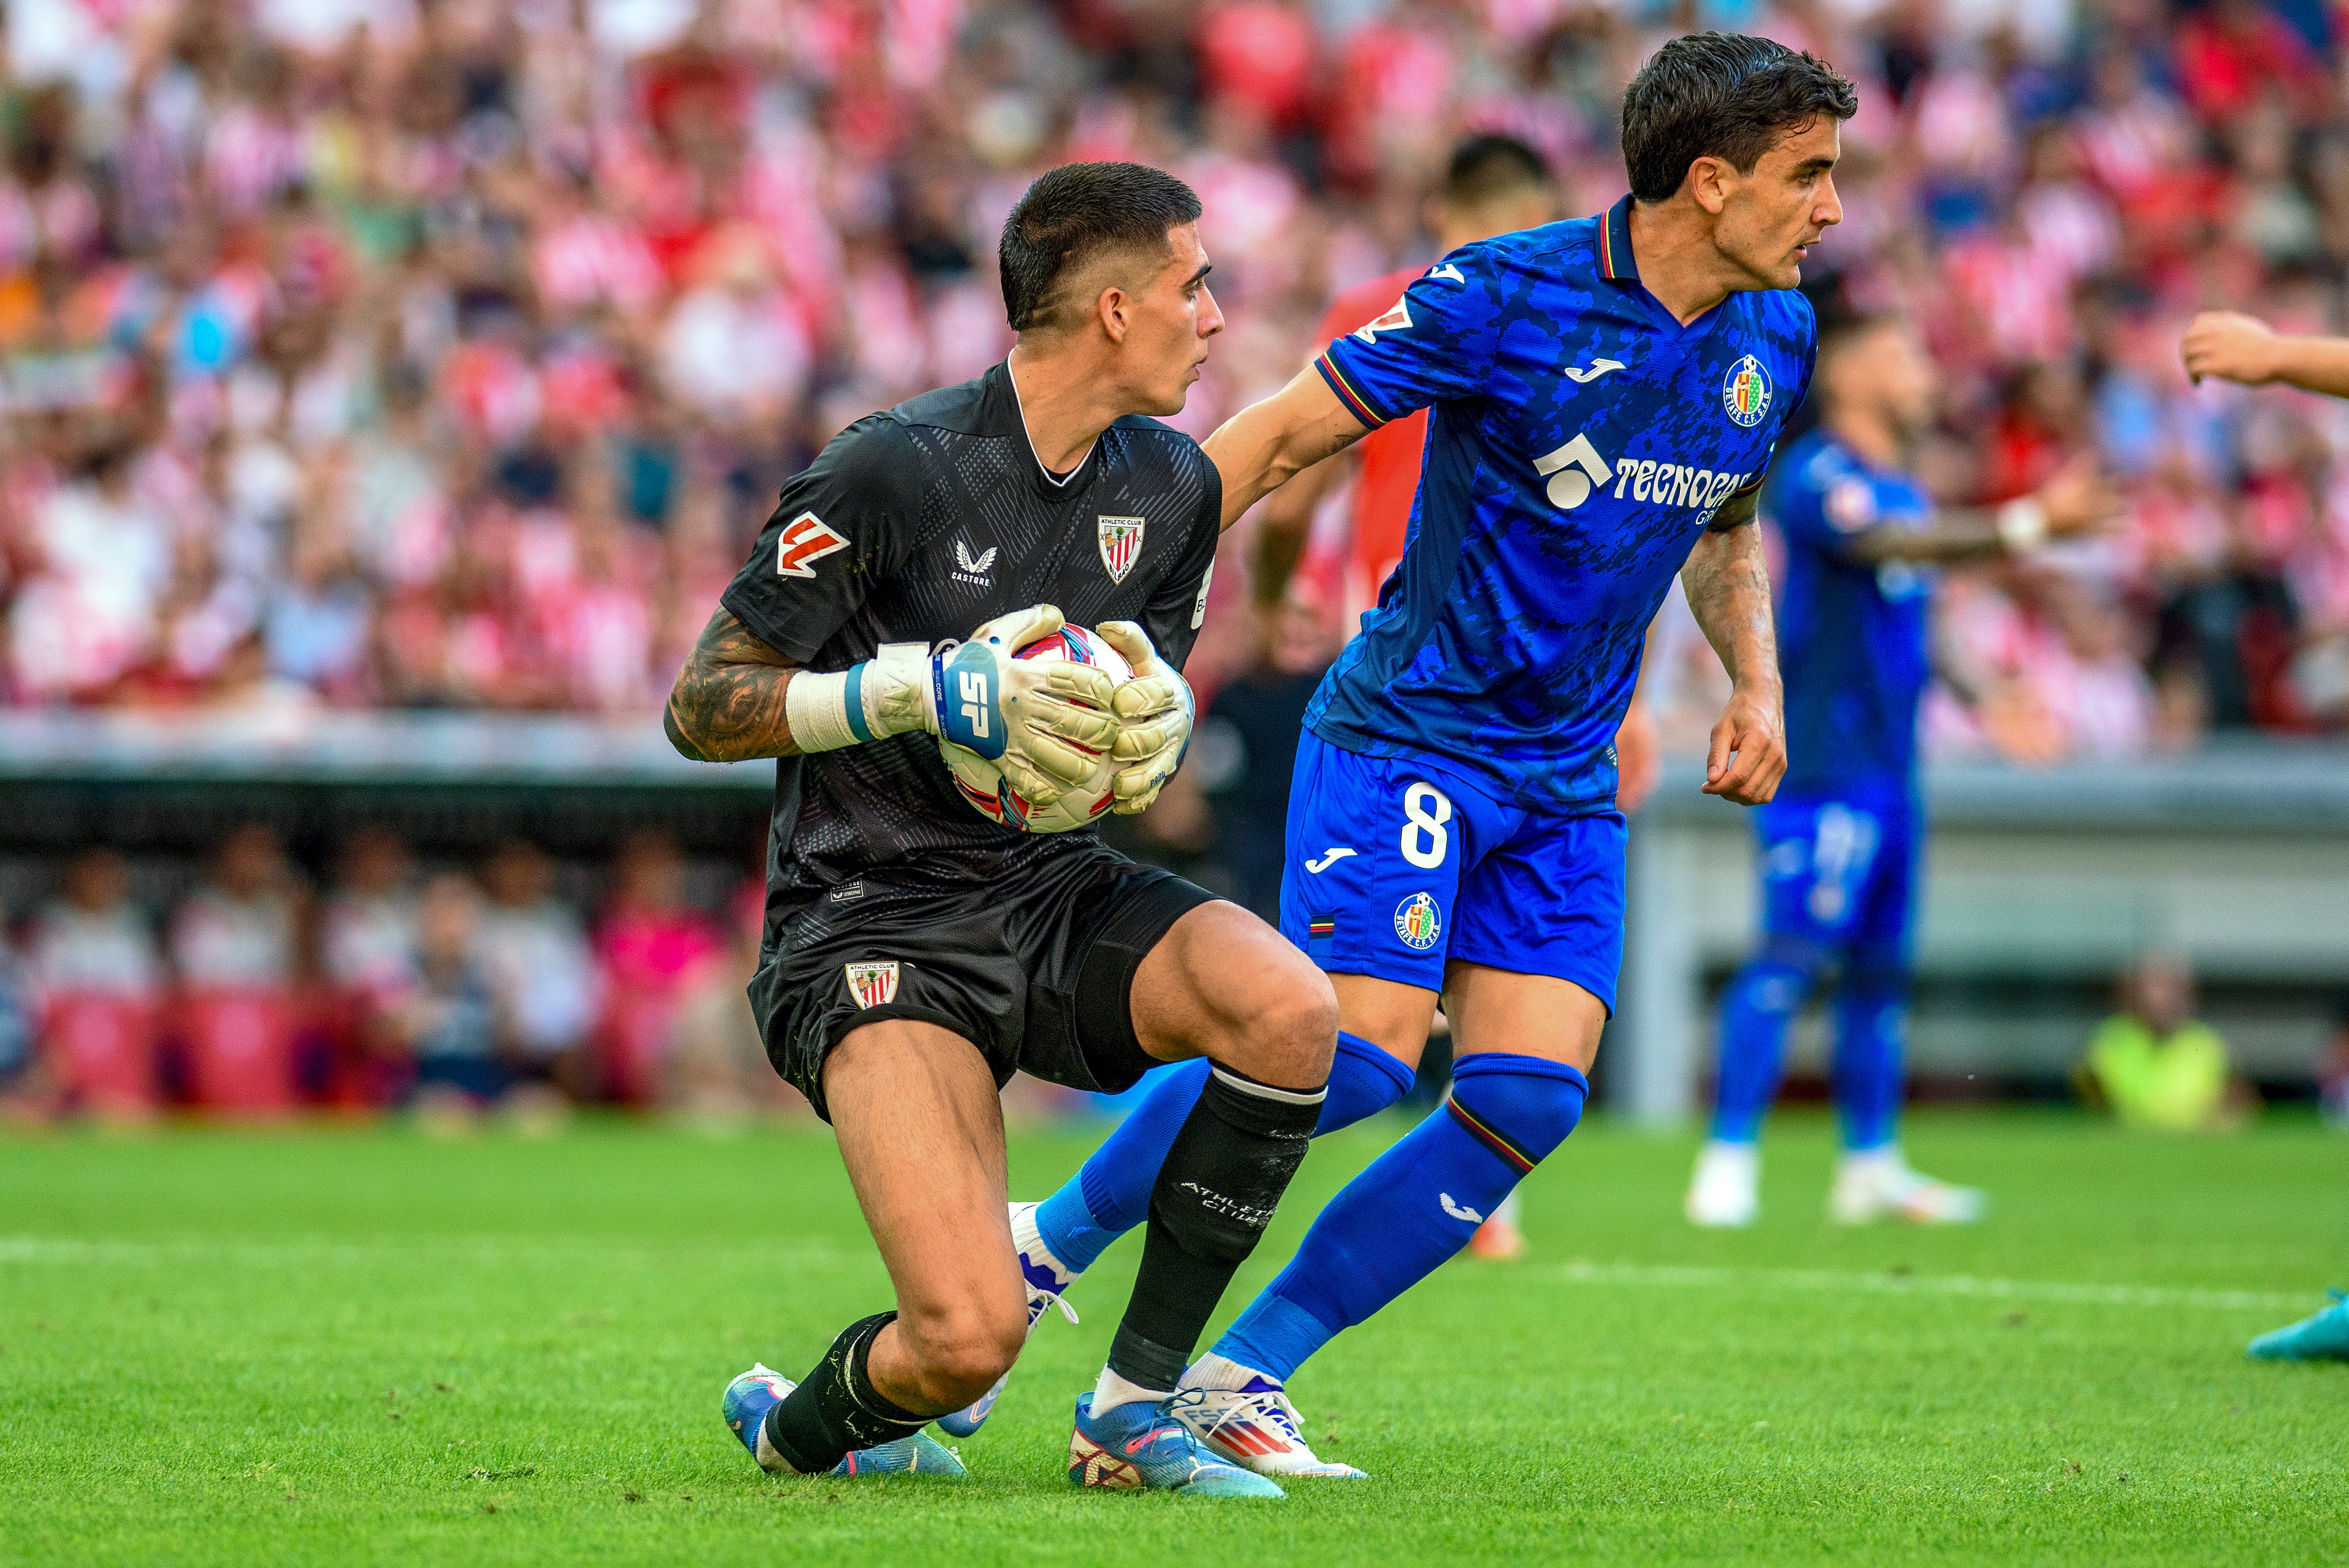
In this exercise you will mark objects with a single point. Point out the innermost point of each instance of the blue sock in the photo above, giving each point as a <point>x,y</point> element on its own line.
<point>1413,1207</point>
<point>1760,1003</point>
<point>1111,1194</point>
<point>1871,1030</point>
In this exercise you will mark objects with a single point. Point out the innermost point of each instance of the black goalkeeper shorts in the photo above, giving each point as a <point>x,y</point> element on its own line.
<point>1036,970</point>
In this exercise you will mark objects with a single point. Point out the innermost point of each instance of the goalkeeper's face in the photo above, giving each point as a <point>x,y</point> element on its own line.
<point>1167,325</point>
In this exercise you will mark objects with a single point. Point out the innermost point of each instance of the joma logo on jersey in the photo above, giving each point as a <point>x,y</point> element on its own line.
<point>873,984</point>
<point>1120,543</point>
<point>805,540</point>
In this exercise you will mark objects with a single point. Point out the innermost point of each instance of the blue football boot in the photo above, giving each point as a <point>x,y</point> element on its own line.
<point>749,1397</point>
<point>1141,1445</point>
<point>2324,1337</point>
<point>1046,1277</point>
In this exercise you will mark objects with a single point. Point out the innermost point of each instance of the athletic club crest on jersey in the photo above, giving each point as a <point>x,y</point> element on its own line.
<point>1121,542</point>
<point>873,984</point>
<point>1416,922</point>
<point>1745,392</point>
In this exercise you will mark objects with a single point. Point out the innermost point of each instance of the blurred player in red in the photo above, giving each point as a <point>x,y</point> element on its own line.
<point>1496,185</point>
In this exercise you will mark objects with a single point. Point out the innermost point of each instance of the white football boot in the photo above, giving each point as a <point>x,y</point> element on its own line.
<point>1879,1185</point>
<point>1246,1417</point>
<point>1724,1193</point>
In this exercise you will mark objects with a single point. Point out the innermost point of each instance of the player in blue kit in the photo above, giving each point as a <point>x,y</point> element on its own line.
<point>1605,394</point>
<point>1839,845</point>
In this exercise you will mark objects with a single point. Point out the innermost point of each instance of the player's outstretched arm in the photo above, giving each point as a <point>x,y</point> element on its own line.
<point>2080,500</point>
<point>1728,589</point>
<point>2243,348</point>
<point>1260,448</point>
<point>728,703</point>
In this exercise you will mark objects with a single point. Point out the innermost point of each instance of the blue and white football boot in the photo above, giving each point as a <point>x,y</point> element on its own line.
<point>1046,1277</point>
<point>749,1397</point>
<point>2324,1337</point>
<point>1245,1417</point>
<point>1141,1446</point>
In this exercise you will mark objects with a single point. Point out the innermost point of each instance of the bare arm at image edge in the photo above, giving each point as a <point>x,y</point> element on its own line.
<point>1728,587</point>
<point>2240,348</point>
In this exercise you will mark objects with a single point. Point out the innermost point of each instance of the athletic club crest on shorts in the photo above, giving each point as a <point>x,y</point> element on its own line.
<point>1417,922</point>
<point>1745,392</point>
<point>873,984</point>
<point>1121,542</point>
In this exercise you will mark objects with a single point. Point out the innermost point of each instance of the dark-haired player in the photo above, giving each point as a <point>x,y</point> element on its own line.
<point>1604,398</point>
<point>917,952</point>
<point>1839,845</point>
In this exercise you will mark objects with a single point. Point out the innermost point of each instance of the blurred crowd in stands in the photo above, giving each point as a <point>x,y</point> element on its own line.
<point>456,994</point>
<point>450,352</point>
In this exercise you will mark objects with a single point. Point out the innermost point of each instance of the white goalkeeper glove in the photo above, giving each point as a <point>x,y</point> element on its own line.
<point>1153,719</point>
<point>1044,723</point>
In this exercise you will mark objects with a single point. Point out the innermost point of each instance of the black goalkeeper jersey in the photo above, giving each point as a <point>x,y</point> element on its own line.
<point>918,525</point>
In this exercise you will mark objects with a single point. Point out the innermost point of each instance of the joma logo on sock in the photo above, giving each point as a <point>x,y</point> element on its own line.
<point>1248,1215</point>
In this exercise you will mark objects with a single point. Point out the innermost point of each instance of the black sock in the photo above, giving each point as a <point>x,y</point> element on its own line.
<point>835,1408</point>
<point>1214,1194</point>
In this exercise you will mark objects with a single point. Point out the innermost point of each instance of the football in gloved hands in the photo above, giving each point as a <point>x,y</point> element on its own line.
<point>1154,712</point>
<point>1025,720</point>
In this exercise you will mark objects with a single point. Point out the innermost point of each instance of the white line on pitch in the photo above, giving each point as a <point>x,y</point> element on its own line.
<point>307,1251</point>
<point>1580,1273</point>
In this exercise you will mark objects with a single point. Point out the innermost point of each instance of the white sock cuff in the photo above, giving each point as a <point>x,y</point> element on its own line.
<point>1114,1390</point>
<point>1267,1092</point>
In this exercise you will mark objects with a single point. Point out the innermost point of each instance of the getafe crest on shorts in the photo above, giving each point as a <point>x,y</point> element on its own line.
<point>1416,922</point>
<point>873,984</point>
<point>1745,392</point>
<point>1120,542</point>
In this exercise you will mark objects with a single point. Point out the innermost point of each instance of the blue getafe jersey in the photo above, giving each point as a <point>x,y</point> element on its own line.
<point>1852,637</point>
<point>1579,441</point>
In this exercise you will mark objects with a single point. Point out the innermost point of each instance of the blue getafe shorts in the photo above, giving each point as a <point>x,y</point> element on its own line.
<point>1839,877</point>
<point>1395,864</point>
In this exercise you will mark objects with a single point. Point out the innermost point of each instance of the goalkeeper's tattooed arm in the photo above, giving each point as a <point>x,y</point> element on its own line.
<point>728,703</point>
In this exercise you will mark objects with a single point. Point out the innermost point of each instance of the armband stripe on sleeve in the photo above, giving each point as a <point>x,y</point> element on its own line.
<point>854,702</point>
<point>1356,404</point>
<point>1750,486</point>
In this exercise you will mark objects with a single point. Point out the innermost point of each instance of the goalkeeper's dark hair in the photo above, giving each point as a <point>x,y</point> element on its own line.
<point>1722,94</point>
<point>1071,217</point>
<point>1488,167</point>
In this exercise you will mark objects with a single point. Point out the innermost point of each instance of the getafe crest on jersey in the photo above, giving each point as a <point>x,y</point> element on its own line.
<point>873,984</point>
<point>1120,542</point>
<point>1417,922</point>
<point>1745,392</point>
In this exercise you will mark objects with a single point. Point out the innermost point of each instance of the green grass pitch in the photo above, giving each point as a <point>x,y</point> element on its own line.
<point>364,1348</point>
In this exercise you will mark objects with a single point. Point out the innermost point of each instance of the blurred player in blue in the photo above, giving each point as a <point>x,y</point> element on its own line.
<point>1840,843</point>
<point>1605,395</point>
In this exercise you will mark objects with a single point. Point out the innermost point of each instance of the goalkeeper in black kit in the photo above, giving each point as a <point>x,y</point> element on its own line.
<point>919,950</point>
